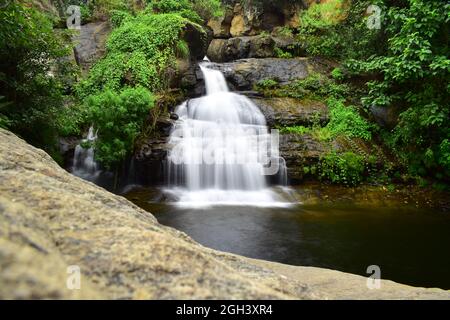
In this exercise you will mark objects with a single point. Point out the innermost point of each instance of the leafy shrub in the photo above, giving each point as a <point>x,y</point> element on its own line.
<point>119,118</point>
<point>337,74</point>
<point>72,119</point>
<point>266,84</point>
<point>347,168</point>
<point>279,53</point>
<point>119,17</point>
<point>346,120</point>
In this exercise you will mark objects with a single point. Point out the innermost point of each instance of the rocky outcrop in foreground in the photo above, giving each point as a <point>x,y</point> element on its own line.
<point>50,220</point>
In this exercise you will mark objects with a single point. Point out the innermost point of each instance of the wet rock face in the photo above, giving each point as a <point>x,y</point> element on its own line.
<point>300,151</point>
<point>261,46</point>
<point>187,74</point>
<point>386,116</point>
<point>91,43</point>
<point>152,153</point>
<point>244,74</point>
<point>288,112</point>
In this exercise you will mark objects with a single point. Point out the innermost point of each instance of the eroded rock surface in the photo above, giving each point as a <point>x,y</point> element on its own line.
<point>244,74</point>
<point>251,18</point>
<point>261,46</point>
<point>288,112</point>
<point>90,43</point>
<point>50,220</point>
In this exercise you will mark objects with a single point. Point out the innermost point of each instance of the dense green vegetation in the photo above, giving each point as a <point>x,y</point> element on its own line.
<point>31,69</point>
<point>415,74</point>
<point>408,60</point>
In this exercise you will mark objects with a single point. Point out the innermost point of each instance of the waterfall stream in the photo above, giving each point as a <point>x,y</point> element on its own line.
<point>221,148</point>
<point>84,164</point>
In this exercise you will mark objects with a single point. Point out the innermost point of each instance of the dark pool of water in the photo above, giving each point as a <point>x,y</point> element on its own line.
<point>410,245</point>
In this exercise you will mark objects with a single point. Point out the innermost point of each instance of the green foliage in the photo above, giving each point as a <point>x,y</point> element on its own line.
<point>102,8</point>
<point>72,119</point>
<point>337,74</point>
<point>315,86</point>
<point>198,11</point>
<point>30,59</point>
<point>139,52</point>
<point>338,29</point>
<point>283,31</point>
<point>266,84</point>
<point>182,49</point>
<point>94,10</point>
<point>414,74</point>
<point>118,117</point>
<point>346,120</point>
<point>347,168</point>
<point>300,130</point>
<point>279,53</point>
<point>119,17</point>
<point>4,121</point>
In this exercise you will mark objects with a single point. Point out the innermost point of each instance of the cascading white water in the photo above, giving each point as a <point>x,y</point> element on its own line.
<point>84,164</point>
<point>218,147</point>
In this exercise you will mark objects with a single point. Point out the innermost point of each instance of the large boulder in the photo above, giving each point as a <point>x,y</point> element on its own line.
<point>261,46</point>
<point>53,225</point>
<point>244,74</point>
<point>225,50</point>
<point>386,117</point>
<point>90,43</point>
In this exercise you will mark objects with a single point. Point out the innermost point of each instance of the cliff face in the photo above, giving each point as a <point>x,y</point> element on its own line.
<point>50,220</point>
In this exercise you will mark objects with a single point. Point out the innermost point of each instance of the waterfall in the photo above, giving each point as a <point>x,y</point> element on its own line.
<point>84,164</point>
<point>219,145</point>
